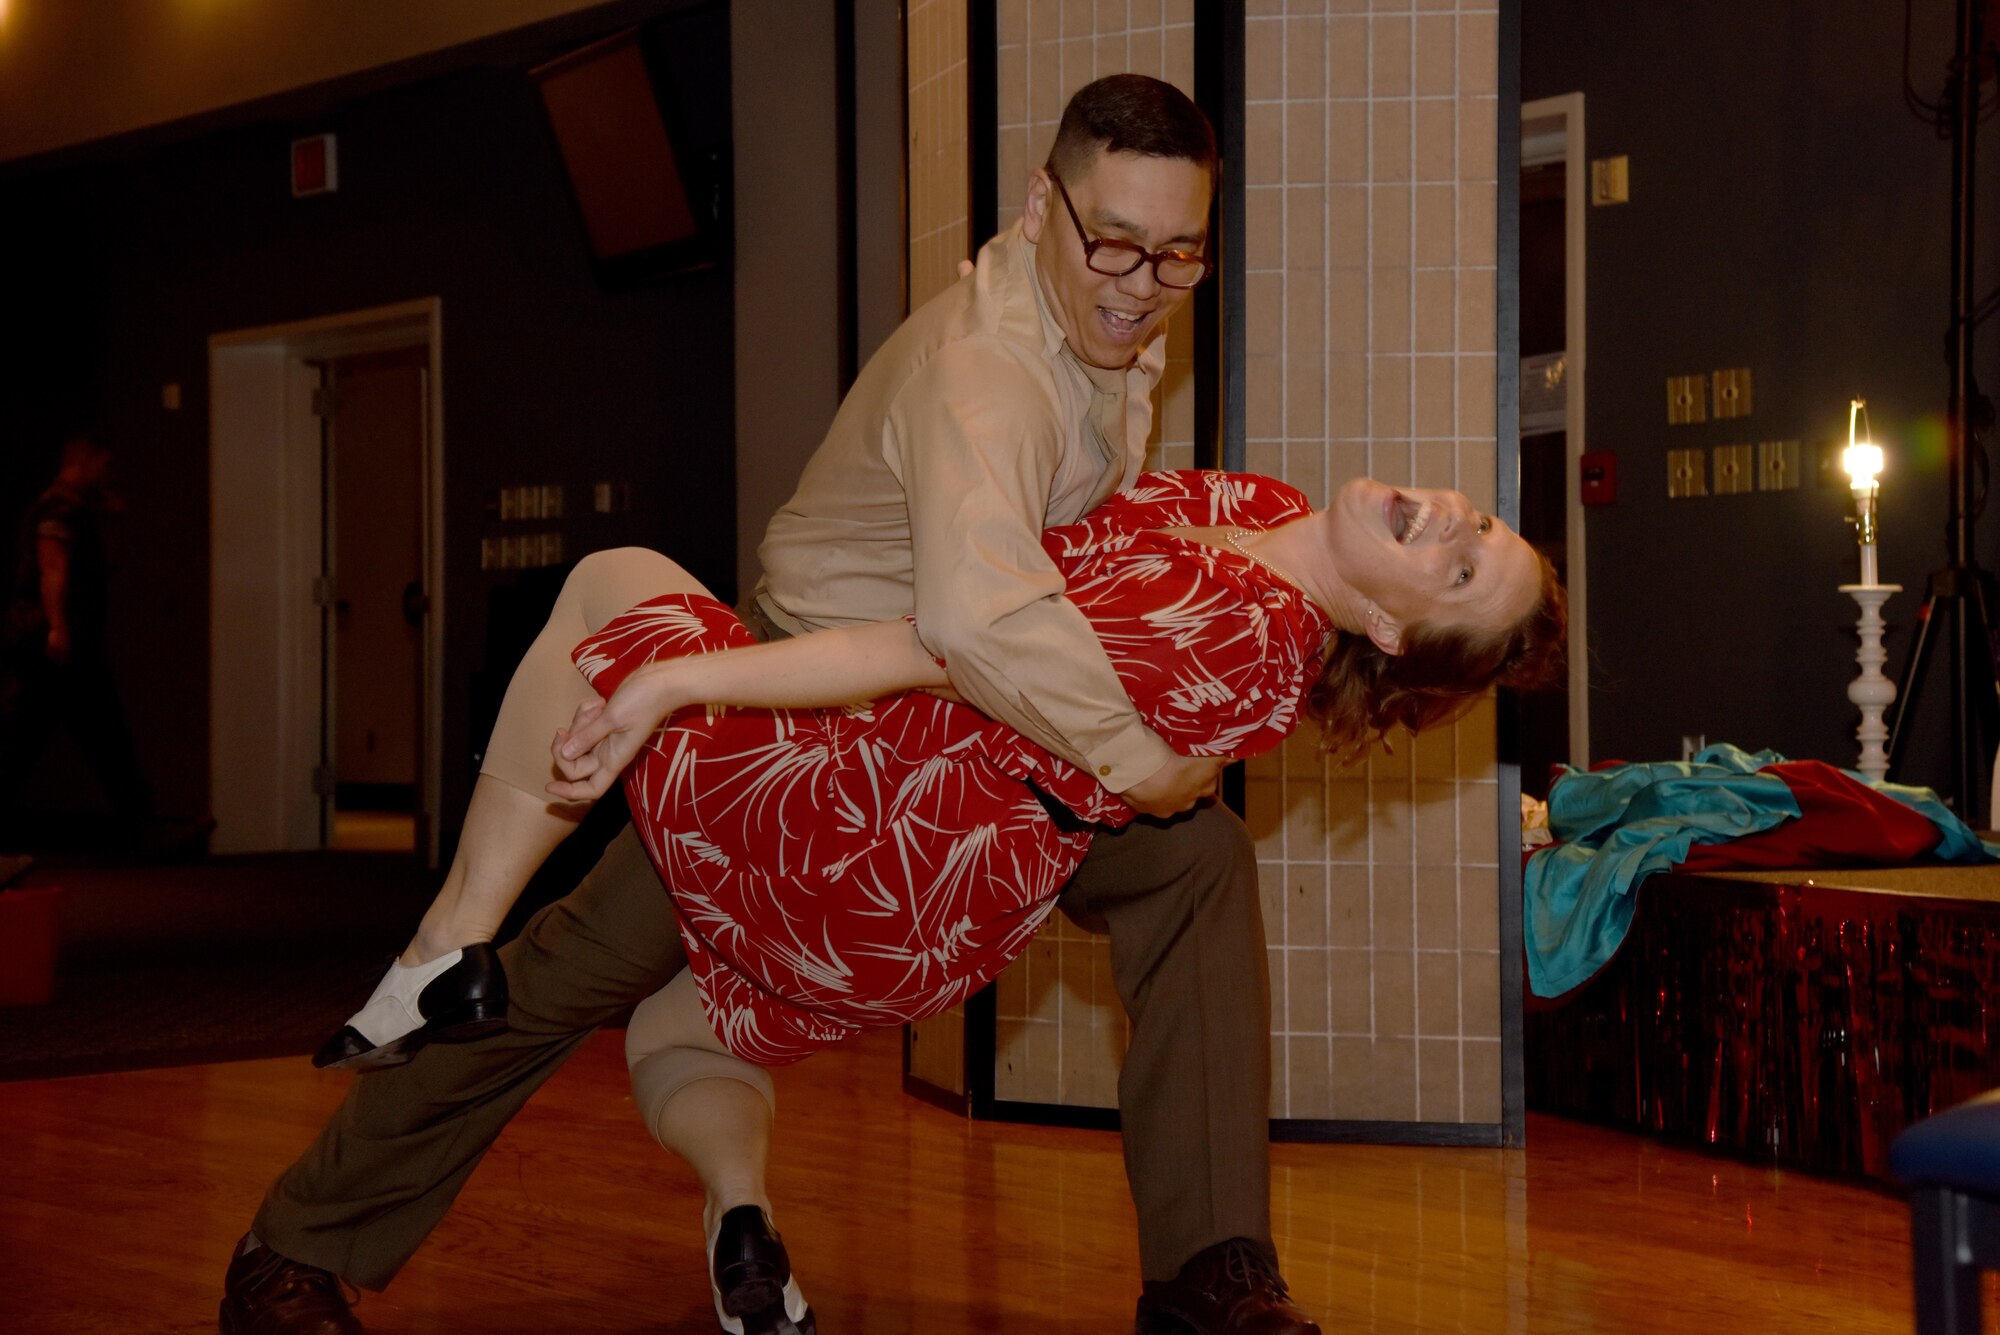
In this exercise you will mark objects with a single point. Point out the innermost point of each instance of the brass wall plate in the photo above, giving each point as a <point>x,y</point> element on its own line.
<point>1732,393</point>
<point>1778,465</point>
<point>1735,470</point>
<point>1610,180</point>
<point>1687,399</point>
<point>1687,473</point>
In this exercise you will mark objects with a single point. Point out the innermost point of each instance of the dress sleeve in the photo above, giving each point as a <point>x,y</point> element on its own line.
<point>1214,672</point>
<point>1216,662</point>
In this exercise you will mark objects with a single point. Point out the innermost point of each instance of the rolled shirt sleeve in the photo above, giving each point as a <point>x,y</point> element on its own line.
<point>976,441</point>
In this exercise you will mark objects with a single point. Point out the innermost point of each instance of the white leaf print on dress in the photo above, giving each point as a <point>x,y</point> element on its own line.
<point>837,869</point>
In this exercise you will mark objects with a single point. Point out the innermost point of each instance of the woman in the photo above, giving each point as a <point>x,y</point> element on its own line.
<point>835,869</point>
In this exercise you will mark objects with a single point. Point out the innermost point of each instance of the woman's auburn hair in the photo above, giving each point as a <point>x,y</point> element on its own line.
<point>1364,692</point>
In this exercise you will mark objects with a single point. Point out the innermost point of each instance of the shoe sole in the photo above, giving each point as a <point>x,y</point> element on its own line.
<point>765,1313</point>
<point>469,1023</point>
<point>759,1307</point>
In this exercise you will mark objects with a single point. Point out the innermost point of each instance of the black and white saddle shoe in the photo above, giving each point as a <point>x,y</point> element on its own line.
<point>455,998</point>
<point>751,1277</point>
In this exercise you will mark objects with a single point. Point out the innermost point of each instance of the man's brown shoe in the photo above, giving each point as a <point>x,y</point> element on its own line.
<point>1232,1288</point>
<point>268,1294</point>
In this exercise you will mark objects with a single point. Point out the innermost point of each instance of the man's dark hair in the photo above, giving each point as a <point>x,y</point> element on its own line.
<point>1130,113</point>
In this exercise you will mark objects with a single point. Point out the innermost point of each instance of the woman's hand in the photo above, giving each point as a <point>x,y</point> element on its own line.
<point>607,735</point>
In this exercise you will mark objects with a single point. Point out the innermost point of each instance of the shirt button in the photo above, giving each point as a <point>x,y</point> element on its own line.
<point>1104,769</point>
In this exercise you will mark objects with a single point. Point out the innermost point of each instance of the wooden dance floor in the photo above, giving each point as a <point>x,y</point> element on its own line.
<point>120,1196</point>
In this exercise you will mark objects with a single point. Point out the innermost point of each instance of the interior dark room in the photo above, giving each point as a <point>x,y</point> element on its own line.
<point>353,356</point>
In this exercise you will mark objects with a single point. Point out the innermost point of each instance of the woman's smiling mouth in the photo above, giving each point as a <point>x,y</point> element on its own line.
<point>1409,518</point>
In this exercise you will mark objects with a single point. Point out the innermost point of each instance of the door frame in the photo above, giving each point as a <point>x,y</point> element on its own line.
<point>266,632</point>
<point>1552,131</point>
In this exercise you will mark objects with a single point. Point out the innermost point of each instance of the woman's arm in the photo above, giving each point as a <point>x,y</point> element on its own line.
<point>829,667</point>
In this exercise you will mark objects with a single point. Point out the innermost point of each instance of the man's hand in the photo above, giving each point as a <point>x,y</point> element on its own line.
<point>58,645</point>
<point>1175,786</point>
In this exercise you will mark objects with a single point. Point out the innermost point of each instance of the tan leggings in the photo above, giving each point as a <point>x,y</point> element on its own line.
<point>669,1043</point>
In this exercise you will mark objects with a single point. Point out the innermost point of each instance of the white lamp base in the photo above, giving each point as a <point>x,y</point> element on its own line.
<point>1871,692</point>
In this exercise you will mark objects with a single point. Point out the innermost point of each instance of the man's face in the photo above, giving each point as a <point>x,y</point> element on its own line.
<point>1158,203</point>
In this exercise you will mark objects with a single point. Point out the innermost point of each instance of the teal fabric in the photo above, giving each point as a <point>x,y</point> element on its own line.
<point>1620,825</point>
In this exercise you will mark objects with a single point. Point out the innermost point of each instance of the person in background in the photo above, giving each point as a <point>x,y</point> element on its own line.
<point>58,644</point>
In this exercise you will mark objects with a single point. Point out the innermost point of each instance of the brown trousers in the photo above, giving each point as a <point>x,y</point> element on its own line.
<point>1179,900</point>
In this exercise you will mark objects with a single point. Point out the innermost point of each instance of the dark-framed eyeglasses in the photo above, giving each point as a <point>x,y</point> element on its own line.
<point>1115,258</point>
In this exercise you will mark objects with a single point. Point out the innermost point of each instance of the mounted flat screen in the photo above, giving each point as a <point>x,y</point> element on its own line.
<point>647,208</point>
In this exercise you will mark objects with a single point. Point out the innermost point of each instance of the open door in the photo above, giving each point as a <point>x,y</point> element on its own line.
<point>375,409</point>
<point>326,470</point>
<point>1554,726</point>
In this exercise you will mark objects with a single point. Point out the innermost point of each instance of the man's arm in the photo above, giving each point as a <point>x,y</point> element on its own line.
<point>52,556</point>
<point>976,444</point>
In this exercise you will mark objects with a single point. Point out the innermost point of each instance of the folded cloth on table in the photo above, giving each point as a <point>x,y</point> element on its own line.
<point>1724,809</point>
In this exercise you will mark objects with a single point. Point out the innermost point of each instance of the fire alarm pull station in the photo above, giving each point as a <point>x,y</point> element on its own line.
<point>1597,477</point>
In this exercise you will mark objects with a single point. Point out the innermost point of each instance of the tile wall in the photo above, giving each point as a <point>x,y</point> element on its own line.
<point>1370,175</point>
<point>940,202</point>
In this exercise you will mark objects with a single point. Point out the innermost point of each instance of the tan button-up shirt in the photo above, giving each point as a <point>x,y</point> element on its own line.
<point>971,430</point>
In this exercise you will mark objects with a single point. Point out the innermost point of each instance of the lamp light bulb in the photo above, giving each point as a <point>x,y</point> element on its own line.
<point>1863,462</point>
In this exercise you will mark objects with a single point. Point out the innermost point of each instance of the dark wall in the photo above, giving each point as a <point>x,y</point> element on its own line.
<point>122,266</point>
<point>1789,215</point>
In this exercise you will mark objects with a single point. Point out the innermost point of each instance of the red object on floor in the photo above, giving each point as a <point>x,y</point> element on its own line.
<point>28,941</point>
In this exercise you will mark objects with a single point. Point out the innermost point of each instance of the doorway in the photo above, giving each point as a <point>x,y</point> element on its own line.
<point>326,582</point>
<point>1554,725</point>
<point>373,409</point>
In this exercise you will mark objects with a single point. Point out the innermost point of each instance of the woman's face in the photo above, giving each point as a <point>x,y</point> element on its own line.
<point>1427,556</point>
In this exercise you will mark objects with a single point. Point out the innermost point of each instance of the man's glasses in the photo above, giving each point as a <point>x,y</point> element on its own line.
<point>1115,258</point>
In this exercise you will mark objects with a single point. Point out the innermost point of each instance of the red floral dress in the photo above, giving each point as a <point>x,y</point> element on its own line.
<point>838,869</point>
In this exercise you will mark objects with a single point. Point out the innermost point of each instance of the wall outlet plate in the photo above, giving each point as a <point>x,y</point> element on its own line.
<point>1610,180</point>
<point>1687,474</point>
<point>1778,465</point>
<point>1687,399</point>
<point>1732,393</point>
<point>1735,467</point>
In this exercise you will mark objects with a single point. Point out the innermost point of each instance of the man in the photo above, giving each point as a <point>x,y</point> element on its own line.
<point>1017,399</point>
<point>58,640</point>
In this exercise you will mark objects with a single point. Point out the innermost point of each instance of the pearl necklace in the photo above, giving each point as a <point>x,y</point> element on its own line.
<point>1253,558</point>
